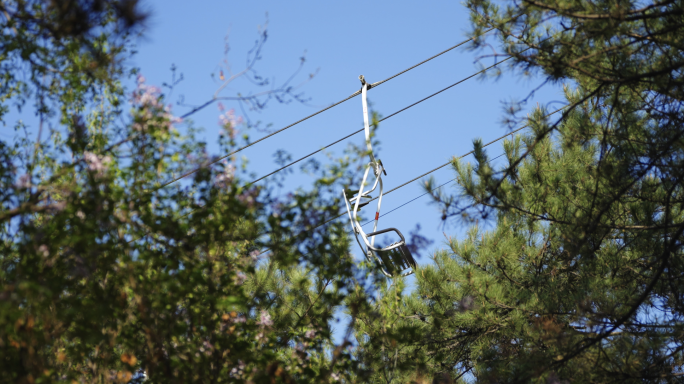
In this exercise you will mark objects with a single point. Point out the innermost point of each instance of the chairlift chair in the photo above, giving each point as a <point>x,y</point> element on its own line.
<point>395,259</point>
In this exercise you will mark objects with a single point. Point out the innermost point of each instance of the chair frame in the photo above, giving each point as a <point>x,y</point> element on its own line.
<point>367,241</point>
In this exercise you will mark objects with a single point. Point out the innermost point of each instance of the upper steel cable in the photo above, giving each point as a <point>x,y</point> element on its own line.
<point>469,153</point>
<point>316,113</point>
<point>436,169</point>
<point>354,133</point>
<point>379,121</point>
<point>362,129</point>
<point>425,174</point>
<point>418,197</point>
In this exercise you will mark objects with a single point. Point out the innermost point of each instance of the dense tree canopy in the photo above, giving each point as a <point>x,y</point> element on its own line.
<point>572,269</point>
<point>105,271</point>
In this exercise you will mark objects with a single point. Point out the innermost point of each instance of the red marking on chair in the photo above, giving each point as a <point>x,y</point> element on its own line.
<point>377,216</point>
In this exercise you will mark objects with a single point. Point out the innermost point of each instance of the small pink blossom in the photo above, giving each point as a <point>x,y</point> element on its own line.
<point>254,254</point>
<point>239,319</point>
<point>225,178</point>
<point>207,348</point>
<point>229,121</point>
<point>237,371</point>
<point>310,334</point>
<point>265,319</point>
<point>97,163</point>
<point>43,249</point>
<point>23,182</point>
<point>148,98</point>
<point>248,197</point>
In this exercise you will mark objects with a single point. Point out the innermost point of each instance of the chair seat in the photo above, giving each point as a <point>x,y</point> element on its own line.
<point>396,259</point>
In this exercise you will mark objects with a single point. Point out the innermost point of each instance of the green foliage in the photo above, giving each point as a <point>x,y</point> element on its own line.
<point>572,268</point>
<point>571,271</point>
<point>103,272</point>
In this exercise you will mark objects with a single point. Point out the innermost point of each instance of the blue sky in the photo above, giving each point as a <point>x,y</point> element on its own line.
<point>342,40</point>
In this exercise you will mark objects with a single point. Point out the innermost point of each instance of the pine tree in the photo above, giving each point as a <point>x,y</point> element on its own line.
<point>572,270</point>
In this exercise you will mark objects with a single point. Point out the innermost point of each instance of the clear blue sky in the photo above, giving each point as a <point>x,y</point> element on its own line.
<point>343,40</point>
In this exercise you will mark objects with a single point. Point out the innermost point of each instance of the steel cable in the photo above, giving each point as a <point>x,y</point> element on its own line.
<point>433,170</point>
<point>316,113</point>
<point>379,121</point>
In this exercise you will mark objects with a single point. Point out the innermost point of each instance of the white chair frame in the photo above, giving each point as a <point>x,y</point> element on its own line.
<point>367,241</point>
